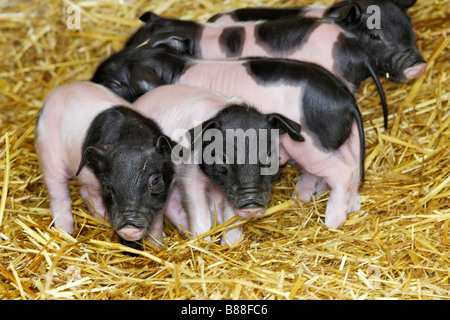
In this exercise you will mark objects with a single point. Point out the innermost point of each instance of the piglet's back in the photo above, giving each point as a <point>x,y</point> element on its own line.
<point>66,116</point>
<point>180,106</point>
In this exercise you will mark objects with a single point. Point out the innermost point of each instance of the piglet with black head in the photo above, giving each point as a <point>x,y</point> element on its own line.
<point>382,28</point>
<point>121,159</point>
<point>131,159</point>
<point>243,154</point>
<point>385,33</point>
<point>229,162</point>
<point>240,155</point>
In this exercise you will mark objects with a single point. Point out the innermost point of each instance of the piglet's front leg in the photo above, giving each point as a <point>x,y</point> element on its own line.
<point>56,178</point>
<point>193,186</point>
<point>221,211</point>
<point>306,185</point>
<point>338,204</point>
<point>343,177</point>
<point>174,210</point>
<point>156,231</point>
<point>60,204</point>
<point>93,198</point>
<point>233,233</point>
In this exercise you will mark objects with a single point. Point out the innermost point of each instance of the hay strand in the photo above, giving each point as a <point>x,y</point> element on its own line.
<point>5,180</point>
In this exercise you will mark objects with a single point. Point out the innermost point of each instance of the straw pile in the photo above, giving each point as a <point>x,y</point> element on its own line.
<point>396,247</point>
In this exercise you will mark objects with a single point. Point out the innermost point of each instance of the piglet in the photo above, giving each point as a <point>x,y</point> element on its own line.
<point>233,160</point>
<point>121,159</point>
<point>305,93</point>
<point>389,44</point>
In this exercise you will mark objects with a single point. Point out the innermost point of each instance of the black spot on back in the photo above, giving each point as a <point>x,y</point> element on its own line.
<point>231,41</point>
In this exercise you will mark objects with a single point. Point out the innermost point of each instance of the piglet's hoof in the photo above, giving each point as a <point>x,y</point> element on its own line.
<point>232,236</point>
<point>309,185</point>
<point>355,204</point>
<point>336,221</point>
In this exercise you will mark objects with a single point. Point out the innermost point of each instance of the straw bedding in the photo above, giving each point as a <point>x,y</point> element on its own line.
<point>396,247</point>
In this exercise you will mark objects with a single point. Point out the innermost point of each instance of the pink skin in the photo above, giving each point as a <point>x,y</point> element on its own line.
<point>194,210</point>
<point>224,20</point>
<point>68,111</point>
<point>174,209</point>
<point>131,234</point>
<point>414,71</point>
<point>316,12</point>
<point>340,169</point>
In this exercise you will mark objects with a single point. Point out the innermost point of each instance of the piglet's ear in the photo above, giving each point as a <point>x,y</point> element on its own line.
<point>175,43</point>
<point>165,144</point>
<point>344,13</point>
<point>149,17</point>
<point>143,79</point>
<point>286,125</point>
<point>196,133</point>
<point>93,155</point>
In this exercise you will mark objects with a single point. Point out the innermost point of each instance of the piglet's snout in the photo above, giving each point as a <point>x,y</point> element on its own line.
<point>251,212</point>
<point>251,207</point>
<point>414,71</point>
<point>250,204</point>
<point>131,233</point>
<point>132,229</point>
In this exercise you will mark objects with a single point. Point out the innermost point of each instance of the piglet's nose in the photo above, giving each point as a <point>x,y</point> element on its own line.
<point>131,233</point>
<point>251,212</point>
<point>414,71</point>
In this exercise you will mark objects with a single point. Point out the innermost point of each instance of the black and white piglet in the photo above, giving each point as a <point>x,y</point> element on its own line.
<point>121,159</point>
<point>233,158</point>
<point>390,44</point>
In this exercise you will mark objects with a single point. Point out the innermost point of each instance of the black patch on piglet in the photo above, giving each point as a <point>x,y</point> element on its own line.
<point>286,35</point>
<point>330,124</point>
<point>132,72</point>
<point>231,41</point>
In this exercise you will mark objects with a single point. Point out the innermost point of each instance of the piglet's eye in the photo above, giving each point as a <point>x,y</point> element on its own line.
<point>375,36</point>
<point>156,183</point>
